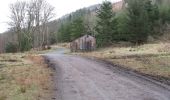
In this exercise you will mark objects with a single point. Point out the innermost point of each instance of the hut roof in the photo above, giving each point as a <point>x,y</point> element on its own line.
<point>84,36</point>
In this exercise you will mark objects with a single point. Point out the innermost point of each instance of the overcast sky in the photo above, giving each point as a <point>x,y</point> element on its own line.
<point>62,7</point>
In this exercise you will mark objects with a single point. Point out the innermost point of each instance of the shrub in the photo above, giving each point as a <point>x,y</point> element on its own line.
<point>11,47</point>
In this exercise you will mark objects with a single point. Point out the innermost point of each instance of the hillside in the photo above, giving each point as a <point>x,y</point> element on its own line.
<point>88,13</point>
<point>54,25</point>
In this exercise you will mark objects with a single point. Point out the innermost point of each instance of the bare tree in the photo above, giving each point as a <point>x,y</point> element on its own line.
<point>37,6</point>
<point>18,15</point>
<point>43,12</point>
<point>1,43</point>
<point>47,15</point>
<point>29,20</point>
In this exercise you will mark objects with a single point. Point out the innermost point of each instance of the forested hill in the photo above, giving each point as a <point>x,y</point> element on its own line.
<point>53,27</point>
<point>85,17</point>
<point>128,20</point>
<point>87,12</point>
<point>85,20</point>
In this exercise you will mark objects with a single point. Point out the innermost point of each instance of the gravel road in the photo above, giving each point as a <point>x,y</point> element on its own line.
<point>79,78</point>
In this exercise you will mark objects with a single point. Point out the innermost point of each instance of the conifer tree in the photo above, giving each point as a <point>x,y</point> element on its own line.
<point>105,24</point>
<point>77,28</point>
<point>138,21</point>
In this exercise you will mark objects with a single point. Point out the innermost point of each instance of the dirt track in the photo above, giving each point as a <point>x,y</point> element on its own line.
<point>78,78</point>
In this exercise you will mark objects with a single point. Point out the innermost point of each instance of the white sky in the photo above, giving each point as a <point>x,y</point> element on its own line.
<point>62,7</point>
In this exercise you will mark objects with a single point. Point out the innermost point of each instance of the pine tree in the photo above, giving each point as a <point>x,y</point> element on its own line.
<point>153,14</point>
<point>64,33</point>
<point>122,26</point>
<point>105,24</point>
<point>73,27</point>
<point>138,21</point>
<point>77,28</point>
<point>165,12</point>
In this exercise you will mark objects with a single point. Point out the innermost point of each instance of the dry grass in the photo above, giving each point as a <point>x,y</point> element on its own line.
<point>151,59</point>
<point>22,79</point>
<point>53,48</point>
<point>64,45</point>
<point>154,66</point>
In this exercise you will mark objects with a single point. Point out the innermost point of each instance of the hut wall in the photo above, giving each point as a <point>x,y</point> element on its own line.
<point>85,43</point>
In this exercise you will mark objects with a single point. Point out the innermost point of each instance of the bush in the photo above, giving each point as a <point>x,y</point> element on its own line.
<point>11,47</point>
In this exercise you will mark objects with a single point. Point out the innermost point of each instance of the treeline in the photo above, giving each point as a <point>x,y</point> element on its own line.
<point>75,25</point>
<point>28,21</point>
<point>135,22</point>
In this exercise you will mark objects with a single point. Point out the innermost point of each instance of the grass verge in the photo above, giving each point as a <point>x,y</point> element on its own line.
<point>149,59</point>
<point>24,77</point>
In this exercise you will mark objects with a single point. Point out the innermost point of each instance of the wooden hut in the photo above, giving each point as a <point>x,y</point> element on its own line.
<point>84,43</point>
